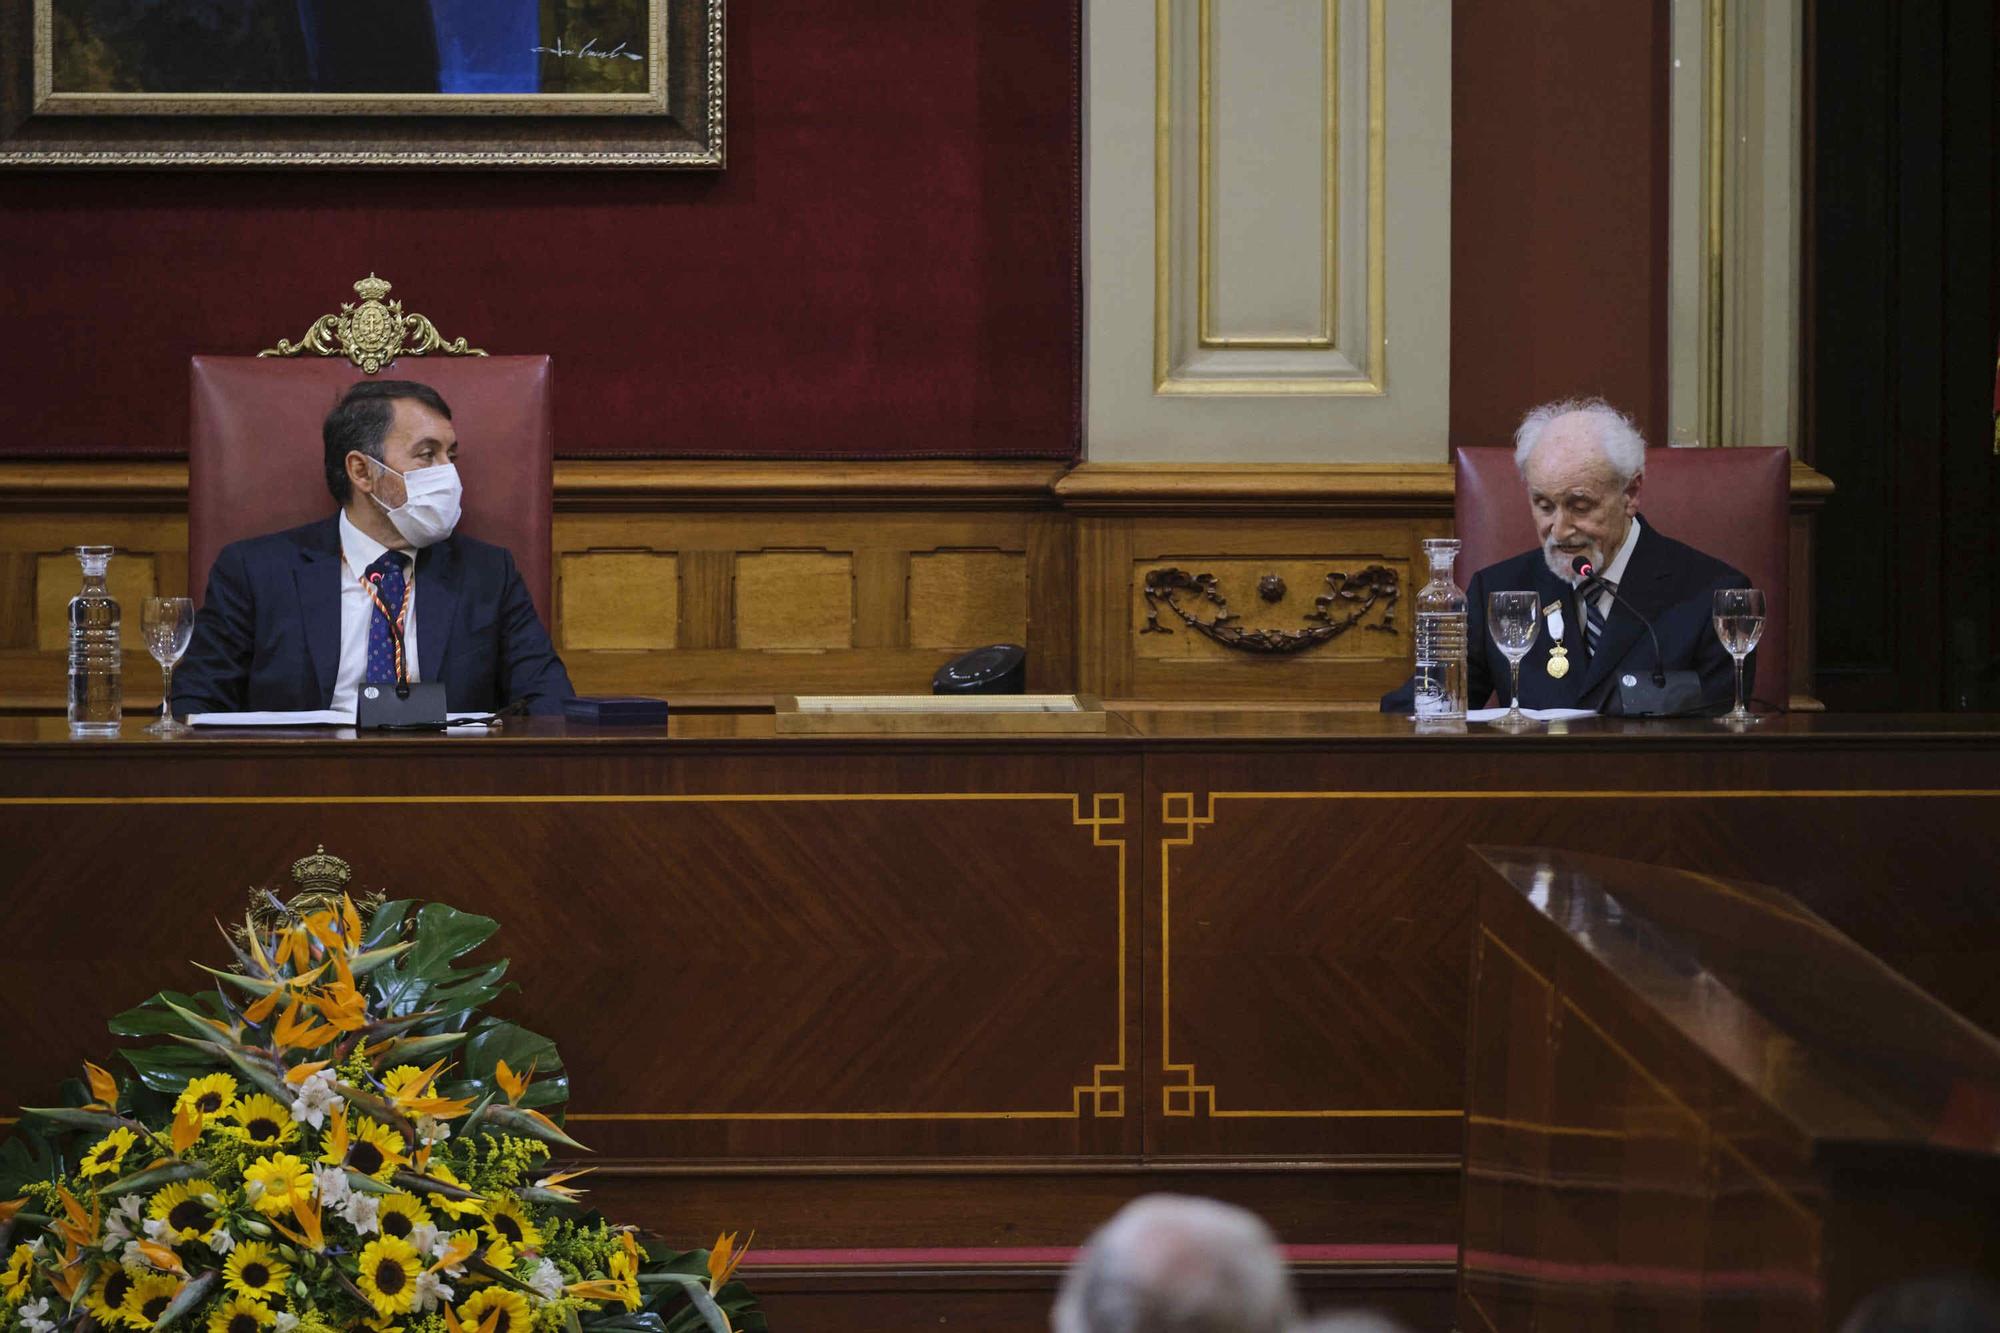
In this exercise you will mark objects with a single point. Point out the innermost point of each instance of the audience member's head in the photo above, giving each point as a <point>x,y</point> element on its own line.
<point>1172,1264</point>
<point>1929,1305</point>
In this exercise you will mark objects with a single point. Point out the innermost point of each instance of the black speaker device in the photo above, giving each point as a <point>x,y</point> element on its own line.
<point>1000,668</point>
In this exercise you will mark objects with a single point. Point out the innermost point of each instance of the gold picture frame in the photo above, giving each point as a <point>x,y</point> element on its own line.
<point>343,83</point>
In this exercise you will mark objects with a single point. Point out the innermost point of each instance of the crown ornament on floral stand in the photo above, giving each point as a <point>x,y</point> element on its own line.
<point>373,333</point>
<point>333,1137</point>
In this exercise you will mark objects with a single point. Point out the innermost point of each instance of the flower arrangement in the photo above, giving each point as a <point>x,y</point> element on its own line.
<point>331,1138</point>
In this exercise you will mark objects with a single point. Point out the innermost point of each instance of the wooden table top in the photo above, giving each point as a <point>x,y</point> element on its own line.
<point>1138,727</point>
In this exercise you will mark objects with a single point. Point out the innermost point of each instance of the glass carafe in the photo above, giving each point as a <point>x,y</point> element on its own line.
<point>95,699</point>
<point>1440,680</point>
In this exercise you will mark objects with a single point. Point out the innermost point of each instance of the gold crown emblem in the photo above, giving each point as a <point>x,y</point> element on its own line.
<point>320,873</point>
<point>372,334</point>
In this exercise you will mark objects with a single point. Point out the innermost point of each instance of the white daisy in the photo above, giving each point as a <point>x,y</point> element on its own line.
<point>361,1212</point>
<point>430,1290</point>
<point>31,1316</point>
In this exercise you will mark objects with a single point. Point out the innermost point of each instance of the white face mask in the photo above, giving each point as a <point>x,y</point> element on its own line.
<point>432,497</point>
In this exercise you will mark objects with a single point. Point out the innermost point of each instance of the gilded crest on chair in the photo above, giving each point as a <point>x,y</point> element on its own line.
<point>372,333</point>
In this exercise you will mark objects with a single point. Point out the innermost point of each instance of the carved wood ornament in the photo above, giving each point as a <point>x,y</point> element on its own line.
<point>1352,595</point>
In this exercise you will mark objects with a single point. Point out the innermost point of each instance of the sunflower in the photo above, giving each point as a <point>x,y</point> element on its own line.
<point>106,1297</point>
<point>452,1208</point>
<point>208,1096</point>
<point>388,1276</point>
<point>19,1272</point>
<point>150,1295</point>
<point>107,1156</point>
<point>399,1214</point>
<point>512,1305</point>
<point>405,1079</point>
<point>507,1220</point>
<point>264,1120</point>
<point>240,1314</point>
<point>499,1254</point>
<point>191,1210</point>
<point>254,1270</point>
<point>372,1149</point>
<point>282,1179</point>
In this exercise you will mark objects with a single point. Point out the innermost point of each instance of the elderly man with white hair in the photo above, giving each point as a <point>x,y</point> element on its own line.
<point>1170,1263</point>
<point>1583,463</point>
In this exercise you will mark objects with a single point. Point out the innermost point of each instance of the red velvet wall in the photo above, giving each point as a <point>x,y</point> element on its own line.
<point>888,266</point>
<point>1558,210</point>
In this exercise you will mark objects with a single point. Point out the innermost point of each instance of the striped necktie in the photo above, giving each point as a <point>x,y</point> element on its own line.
<point>1593,624</point>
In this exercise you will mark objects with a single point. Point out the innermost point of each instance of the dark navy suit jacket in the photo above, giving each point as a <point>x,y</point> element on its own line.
<point>268,633</point>
<point>1672,584</point>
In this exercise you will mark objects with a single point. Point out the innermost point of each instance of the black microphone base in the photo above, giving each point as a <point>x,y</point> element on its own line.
<point>418,707</point>
<point>1640,696</point>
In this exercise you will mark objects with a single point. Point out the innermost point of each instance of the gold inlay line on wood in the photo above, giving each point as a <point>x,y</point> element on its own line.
<point>1103,1095</point>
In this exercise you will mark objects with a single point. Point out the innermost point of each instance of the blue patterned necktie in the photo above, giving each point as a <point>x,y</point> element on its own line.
<point>385,575</point>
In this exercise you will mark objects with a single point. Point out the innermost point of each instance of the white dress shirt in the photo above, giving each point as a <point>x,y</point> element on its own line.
<point>358,551</point>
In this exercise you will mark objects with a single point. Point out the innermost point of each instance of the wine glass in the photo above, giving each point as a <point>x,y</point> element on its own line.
<point>1739,623</point>
<point>167,623</point>
<point>1514,619</point>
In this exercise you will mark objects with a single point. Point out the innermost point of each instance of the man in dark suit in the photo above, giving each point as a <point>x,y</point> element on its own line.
<point>381,591</point>
<point>1583,462</point>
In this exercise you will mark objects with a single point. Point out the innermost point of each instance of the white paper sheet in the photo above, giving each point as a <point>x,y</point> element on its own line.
<point>1539,714</point>
<point>311,717</point>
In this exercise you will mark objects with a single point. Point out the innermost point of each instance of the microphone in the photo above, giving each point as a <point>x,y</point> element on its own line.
<point>1586,571</point>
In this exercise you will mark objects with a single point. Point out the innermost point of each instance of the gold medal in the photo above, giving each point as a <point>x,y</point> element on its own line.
<point>1558,662</point>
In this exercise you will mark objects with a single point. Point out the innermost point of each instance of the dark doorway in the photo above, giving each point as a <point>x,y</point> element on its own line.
<point>1900,334</point>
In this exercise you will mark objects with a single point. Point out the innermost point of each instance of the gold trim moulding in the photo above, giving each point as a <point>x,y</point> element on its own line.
<point>1374,383</point>
<point>917,483</point>
<point>49,102</point>
<point>1204,486</point>
<point>351,104</point>
<point>1329,203</point>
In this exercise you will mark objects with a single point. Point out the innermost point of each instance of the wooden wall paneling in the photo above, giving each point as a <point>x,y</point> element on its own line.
<point>1357,666</point>
<point>882,599</point>
<point>835,599</point>
<point>959,597</point>
<point>42,574</point>
<point>1103,606</point>
<point>1124,659</point>
<point>1052,604</point>
<point>870,577</point>
<point>707,599</point>
<point>794,600</point>
<point>617,600</point>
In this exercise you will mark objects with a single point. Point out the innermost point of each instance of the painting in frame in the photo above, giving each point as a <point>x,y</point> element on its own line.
<point>346,83</point>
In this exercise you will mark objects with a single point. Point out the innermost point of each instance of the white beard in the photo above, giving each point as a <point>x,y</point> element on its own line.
<point>1558,561</point>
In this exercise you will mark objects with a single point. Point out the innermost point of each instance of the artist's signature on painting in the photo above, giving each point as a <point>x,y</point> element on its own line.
<point>589,51</point>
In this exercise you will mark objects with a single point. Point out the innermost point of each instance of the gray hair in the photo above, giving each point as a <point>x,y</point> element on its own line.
<point>1170,1263</point>
<point>1624,447</point>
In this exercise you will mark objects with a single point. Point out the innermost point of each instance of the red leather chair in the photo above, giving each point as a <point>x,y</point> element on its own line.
<point>1735,504</point>
<point>256,462</point>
